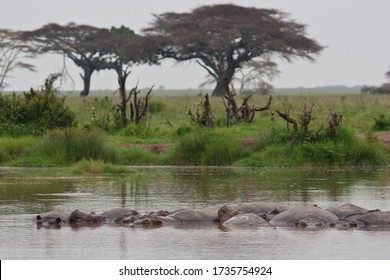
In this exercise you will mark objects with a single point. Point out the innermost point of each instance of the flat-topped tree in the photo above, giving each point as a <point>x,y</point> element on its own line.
<point>13,51</point>
<point>80,43</point>
<point>124,50</point>
<point>226,36</point>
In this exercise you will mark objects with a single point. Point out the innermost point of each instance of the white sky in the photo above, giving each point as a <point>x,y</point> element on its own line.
<point>355,32</point>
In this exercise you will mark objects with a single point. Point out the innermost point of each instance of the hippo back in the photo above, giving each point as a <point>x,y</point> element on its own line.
<point>261,207</point>
<point>118,214</point>
<point>247,220</point>
<point>347,210</point>
<point>293,216</point>
<point>376,218</point>
<point>196,215</point>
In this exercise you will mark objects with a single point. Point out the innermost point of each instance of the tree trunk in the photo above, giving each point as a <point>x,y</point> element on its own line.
<point>228,73</point>
<point>219,89</point>
<point>87,82</point>
<point>122,91</point>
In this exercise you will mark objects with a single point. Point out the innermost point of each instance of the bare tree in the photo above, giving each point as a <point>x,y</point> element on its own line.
<point>226,36</point>
<point>13,50</point>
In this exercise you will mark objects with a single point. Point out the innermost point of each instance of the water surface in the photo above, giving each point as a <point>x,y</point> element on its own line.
<point>151,189</point>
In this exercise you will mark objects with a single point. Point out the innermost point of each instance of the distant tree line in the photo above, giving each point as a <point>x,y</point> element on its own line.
<point>222,39</point>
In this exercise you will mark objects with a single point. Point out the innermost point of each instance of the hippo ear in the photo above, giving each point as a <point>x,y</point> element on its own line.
<point>58,220</point>
<point>39,217</point>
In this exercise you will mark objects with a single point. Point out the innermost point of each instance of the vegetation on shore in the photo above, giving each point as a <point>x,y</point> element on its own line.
<point>95,143</point>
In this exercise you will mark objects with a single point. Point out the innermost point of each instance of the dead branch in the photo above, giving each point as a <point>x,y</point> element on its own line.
<point>305,117</point>
<point>334,121</point>
<point>289,120</point>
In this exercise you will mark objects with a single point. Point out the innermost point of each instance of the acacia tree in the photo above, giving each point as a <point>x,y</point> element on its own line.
<point>225,36</point>
<point>12,51</point>
<point>125,49</point>
<point>80,43</point>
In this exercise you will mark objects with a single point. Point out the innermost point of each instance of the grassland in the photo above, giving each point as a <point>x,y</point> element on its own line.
<point>263,142</point>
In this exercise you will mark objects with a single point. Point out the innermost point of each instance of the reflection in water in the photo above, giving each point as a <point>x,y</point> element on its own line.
<point>151,189</point>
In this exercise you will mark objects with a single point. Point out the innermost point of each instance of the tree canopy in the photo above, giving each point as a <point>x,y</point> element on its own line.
<point>80,43</point>
<point>223,37</point>
<point>12,50</point>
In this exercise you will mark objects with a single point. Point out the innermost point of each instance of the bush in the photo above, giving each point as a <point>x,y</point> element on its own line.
<point>97,167</point>
<point>156,107</point>
<point>346,149</point>
<point>72,145</point>
<point>35,112</point>
<point>203,146</point>
<point>382,123</point>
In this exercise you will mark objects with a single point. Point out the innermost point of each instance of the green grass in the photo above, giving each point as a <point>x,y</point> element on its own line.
<point>97,167</point>
<point>168,123</point>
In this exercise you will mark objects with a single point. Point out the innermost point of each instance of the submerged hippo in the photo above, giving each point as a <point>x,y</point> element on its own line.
<point>148,221</point>
<point>375,218</point>
<point>267,210</point>
<point>193,215</point>
<point>78,218</point>
<point>245,221</point>
<point>304,216</point>
<point>54,218</point>
<point>120,215</point>
<point>348,211</point>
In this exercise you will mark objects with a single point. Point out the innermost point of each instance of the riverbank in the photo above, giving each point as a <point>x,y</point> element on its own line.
<point>170,138</point>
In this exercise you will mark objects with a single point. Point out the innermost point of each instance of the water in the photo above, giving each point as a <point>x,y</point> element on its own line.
<point>151,189</point>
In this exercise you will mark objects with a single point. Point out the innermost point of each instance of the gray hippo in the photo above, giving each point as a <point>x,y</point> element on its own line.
<point>348,211</point>
<point>194,215</point>
<point>120,215</point>
<point>147,221</point>
<point>202,215</point>
<point>78,218</point>
<point>304,216</point>
<point>245,221</point>
<point>375,218</point>
<point>54,218</point>
<point>266,210</point>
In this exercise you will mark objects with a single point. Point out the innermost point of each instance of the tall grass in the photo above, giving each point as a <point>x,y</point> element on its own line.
<point>345,150</point>
<point>12,148</point>
<point>169,123</point>
<point>203,146</point>
<point>97,167</point>
<point>72,145</point>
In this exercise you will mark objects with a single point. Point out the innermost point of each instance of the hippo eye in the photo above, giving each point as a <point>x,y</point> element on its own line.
<point>58,220</point>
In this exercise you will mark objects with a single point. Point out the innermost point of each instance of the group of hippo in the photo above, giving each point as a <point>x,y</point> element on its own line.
<point>244,215</point>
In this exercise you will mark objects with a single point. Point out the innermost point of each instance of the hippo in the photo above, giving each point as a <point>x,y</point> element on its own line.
<point>147,221</point>
<point>193,215</point>
<point>120,215</point>
<point>375,218</point>
<point>266,210</point>
<point>54,218</point>
<point>348,211</point>
<point>245,221</point>
<point>304,216</point>
<point>78,218</point>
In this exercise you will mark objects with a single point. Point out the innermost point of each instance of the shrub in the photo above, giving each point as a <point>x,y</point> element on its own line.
<point>203,146</point>
<point>96,167</point>
<point>72,145</point>
<point>34,112</point>
<point>346,149</point>
<point>382,123</point>
<point>156,107</point>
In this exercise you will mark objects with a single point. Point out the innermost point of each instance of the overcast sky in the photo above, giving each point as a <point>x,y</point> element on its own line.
<point>355,33</point>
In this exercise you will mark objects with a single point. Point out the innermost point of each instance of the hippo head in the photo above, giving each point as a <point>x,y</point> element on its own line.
<point>225,213</point>
<point>309,222</point>
<point>80,218</point>
<point>48,221</point>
